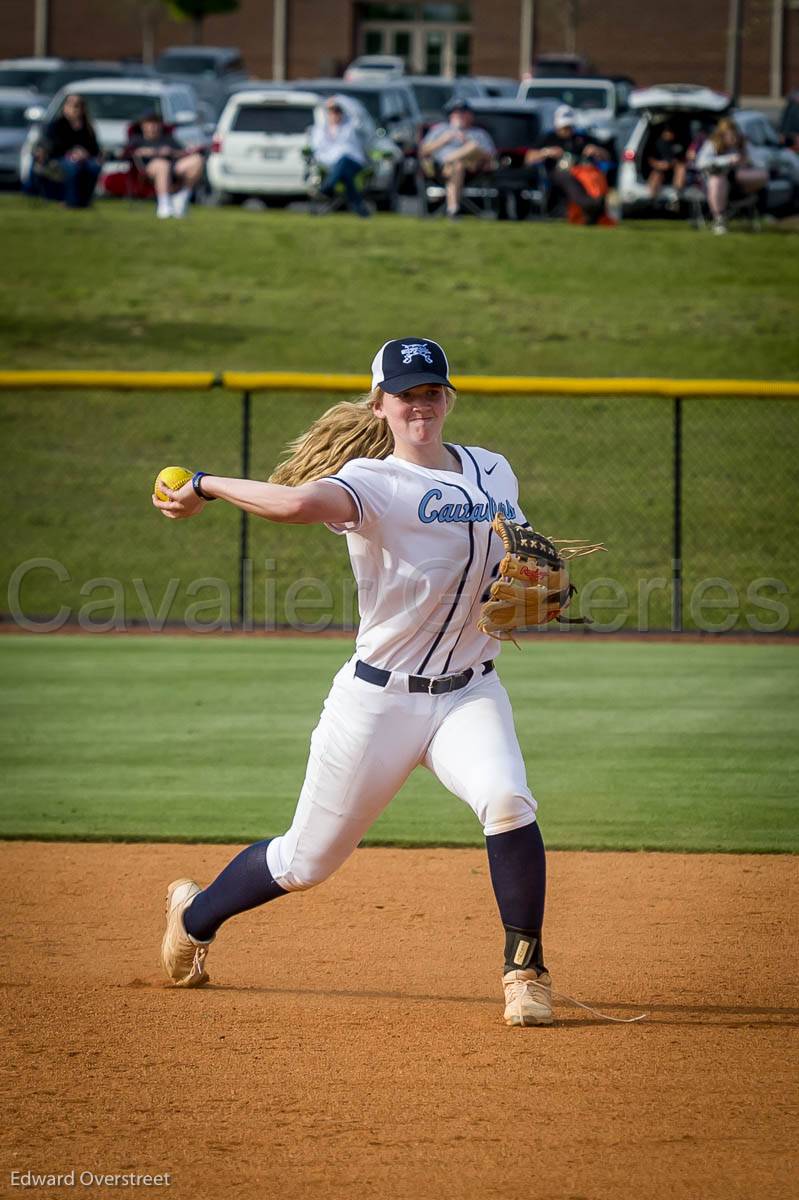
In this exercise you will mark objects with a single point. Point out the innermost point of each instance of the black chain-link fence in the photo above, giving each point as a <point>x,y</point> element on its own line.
<point>697,501</point>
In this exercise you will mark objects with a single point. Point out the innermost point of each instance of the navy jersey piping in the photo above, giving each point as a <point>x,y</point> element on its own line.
<point>485,561</point>
<point>461,585</point>
<point>349,488</point>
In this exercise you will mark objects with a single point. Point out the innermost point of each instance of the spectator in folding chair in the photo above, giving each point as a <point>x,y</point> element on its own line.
<point>175,170</point>
<point>561,152</point>
<point>668,164</point>
<point>67,161</point>
<point>337,146</point>
<point>457,149</point>
<point>732,180</point>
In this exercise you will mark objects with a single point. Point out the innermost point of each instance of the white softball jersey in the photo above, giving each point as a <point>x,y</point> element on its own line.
<point>423,553</point>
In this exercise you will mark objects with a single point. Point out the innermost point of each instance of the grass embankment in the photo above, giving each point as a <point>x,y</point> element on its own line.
<point>628,746</point>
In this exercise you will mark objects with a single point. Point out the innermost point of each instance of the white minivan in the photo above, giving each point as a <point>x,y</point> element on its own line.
<point>260,146</point>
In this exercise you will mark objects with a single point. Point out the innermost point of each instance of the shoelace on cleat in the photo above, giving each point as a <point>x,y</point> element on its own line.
<point>198,963</point>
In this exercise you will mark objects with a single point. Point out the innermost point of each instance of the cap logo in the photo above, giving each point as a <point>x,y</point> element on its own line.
<point>411,350</point>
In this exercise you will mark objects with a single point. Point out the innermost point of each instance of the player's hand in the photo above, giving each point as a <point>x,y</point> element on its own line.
<point>179,504</point>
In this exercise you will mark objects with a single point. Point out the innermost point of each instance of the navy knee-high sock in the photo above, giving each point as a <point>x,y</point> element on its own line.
<point>517,862</point>
<point>245,883</point>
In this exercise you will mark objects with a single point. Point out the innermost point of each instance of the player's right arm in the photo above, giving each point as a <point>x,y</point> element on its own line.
<point>304,505</point>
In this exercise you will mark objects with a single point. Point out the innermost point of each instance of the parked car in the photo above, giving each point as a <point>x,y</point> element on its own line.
<point>596,101</point>
<point>29,73</point>
<point>433,94</point>
<point>90,69</point>
<point>392,106</point>
<point>500,87</point>
<point>14,103</point>
<point>375,67</point>
<point>691,110</point>
<point>261,148</point>
<point>113,105</point>
<point>211,71</point>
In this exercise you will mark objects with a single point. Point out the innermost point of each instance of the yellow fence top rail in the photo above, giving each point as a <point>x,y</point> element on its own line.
<point>302,381</point>
<point>138,381</point>
<point>520,385</point>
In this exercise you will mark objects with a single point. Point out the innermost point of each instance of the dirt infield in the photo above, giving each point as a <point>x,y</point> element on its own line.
<point>351,1044</point>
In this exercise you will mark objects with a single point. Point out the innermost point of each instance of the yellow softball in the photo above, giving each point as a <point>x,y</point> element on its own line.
<point>173,477</point>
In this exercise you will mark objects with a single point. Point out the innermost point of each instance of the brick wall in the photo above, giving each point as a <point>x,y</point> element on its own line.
<point>110,29</point>
<point>321,37</point>
<point>16,28</point>
<point>495,38</point>
<point>678,41</point>
<point>651,40</point>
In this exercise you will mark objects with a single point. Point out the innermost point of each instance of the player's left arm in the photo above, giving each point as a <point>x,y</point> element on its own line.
<point>304,505</point>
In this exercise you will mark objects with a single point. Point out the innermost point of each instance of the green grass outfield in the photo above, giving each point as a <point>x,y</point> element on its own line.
<point>629,745</point>
<point>113,287</point>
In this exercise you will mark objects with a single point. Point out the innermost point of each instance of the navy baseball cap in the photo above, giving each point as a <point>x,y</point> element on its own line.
<point>406,362</point>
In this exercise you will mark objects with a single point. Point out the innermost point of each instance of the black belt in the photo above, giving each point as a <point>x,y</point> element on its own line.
<point>434,686</point>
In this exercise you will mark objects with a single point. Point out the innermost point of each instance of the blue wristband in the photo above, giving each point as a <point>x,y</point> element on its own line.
<point>195,483</point>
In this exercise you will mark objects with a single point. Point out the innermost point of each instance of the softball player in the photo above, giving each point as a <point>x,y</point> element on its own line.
<point>421,687</point>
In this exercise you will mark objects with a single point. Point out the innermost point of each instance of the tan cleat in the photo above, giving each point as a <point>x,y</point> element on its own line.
<point>182,959</point>
<point>528,998</point>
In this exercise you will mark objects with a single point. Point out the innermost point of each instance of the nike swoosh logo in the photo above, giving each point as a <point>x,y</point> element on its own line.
<point>491,468</point>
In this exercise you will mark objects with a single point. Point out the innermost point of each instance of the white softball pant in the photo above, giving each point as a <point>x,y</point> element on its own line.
<point>365,746</point>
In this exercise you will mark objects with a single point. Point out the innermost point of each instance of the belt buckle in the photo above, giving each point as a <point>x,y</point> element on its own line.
<point>444,683</point>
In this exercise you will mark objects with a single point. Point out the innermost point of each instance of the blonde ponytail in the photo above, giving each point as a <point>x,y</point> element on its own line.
<point>348,430</point>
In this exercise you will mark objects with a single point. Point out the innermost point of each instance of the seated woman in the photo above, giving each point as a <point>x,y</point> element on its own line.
<point>561,152</point>
<point>457,148</point>
<point>337,146</point>
<point>724,159</point>
<point>174,170</point>
<point>67,161</point>
<point>668,164</point>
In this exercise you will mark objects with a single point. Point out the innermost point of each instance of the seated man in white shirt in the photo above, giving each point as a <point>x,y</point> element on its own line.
<point>337,146</point>
<point>457,147</point>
